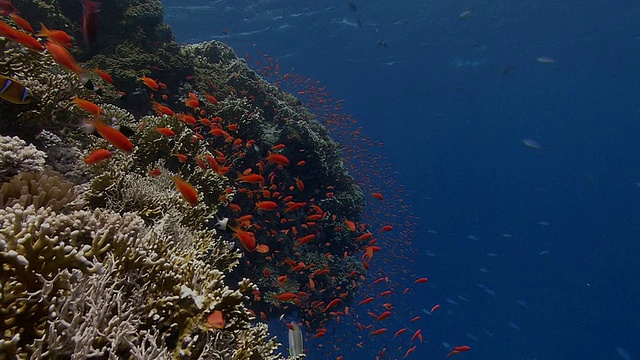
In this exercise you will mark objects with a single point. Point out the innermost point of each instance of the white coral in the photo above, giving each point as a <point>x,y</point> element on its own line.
<point>16,156</point>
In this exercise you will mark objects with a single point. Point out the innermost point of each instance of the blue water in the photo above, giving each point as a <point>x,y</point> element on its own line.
<point>452,99</point>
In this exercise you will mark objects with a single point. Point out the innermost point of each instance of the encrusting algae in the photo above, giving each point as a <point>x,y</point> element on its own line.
<point>107,238</point>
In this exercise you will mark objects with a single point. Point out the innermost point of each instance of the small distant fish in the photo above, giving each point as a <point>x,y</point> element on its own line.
<point>513,325</point>
<point>543,252</point>
<point>546,60</point>
<point>507,235</point>
<point>543,223</point>
<point>472,237</point>
<point>522,302</point>
<point>13,91</point>
<point>464,15</point>
<point>352,7</point>
<point>530,143</point>
<point>472,337</point>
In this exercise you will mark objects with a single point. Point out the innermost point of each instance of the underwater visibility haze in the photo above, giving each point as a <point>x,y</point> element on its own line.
<point>185,179</point>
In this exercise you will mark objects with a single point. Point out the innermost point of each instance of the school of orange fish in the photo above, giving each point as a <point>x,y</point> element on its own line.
<point>273,215</point>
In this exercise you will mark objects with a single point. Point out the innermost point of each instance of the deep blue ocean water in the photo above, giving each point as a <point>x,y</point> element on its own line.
<point>532,253</point>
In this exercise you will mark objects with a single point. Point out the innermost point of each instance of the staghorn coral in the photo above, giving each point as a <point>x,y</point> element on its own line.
<point>16,156</point>
<point>126,277</point>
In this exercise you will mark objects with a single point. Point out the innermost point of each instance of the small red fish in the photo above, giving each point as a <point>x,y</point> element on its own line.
<point>57,36</point>
<point>165,131</point>
<point>63,57</point>
<point>22,23</point>
<point>87,106</point>
<point>112,135</point>
<point>151,84</point>
<point>97,156</point>
<point>246,238</point>
<point>104,75</point>
<point>266,205</point>
<point>399,332</point>
<point>421,280</point>
<point>285,296</point>
<point>458,349</point>
<point>366,301</point>
<point>377,196</point>
<point>278,159</point>
<point>187,190</point>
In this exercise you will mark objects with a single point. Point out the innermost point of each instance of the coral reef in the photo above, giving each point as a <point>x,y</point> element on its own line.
<point>16,157</point>
<point>115,242</point>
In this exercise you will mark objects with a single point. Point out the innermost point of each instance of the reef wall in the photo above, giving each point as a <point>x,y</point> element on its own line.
<point>111,259</point>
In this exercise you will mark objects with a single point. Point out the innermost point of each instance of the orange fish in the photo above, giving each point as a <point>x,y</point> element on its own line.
<point>286,296</point>
<point>57,36</point>
<point>262,249</point>
<point>333,303</point>
<point>459,349</point>
<point>112,135</point>
<point>96,156</point>
<point>63,57</point>
<point>386,228</point>
<point>421,280</point>
<point>250,178</point>
<point>165,131</point>
<point>418,335</point>
<point>246,238</point>
<point>155,172</point>
<point>151,84</point>
<point>379,331</point>
<point>350,224</point>
<point>366,301</point>
<point>104,75</point>
<point>187,190</point>
<point>399,332</point>
<point>28,41</point>
<point>277,158</point>
<point>212,99</point>
<point>377,196</point>
<point>216,319</point>
<point>88,106</point>
<point>384,315</point>
<point>266,205</point>
<point>435,307</point>
<point>22,23</point>
<point>161,109</point>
